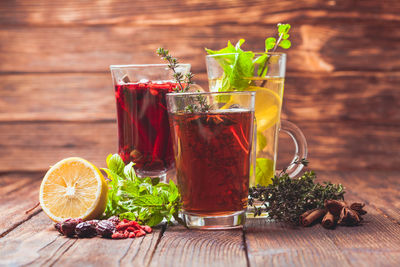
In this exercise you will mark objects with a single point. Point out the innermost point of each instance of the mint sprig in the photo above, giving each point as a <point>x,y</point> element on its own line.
<point>239,65</point>
<point>145,200</point>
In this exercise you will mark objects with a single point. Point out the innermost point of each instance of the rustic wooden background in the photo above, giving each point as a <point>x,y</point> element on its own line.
<point>56,97</point>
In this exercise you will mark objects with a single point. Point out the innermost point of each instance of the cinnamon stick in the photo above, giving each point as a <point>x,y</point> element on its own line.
<point>312,217</point>
<point>328,221</point>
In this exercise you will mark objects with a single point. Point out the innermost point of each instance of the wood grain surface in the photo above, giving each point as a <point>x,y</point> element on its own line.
<point>261,243</point>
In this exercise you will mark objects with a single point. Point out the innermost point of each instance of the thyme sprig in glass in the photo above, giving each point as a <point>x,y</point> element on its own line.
<point>199,103</point>
<point>184,81</point>
<point>285,199</point>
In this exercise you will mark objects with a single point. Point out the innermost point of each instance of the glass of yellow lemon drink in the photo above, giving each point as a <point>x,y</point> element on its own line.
<point>263,73</point>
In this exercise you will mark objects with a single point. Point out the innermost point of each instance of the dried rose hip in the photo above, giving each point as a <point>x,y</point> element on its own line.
<point>114,219</point>
<point>68,226</point>
<point>85,229</point>
<point>105,228</point>
<point>58,228</point>
<point>93,222</point>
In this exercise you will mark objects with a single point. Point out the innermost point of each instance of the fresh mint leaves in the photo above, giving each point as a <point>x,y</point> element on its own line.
<point>145,200</point>
<point>239,65</point>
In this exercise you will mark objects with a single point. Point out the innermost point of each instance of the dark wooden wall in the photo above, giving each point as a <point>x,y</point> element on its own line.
<point>56,99</point>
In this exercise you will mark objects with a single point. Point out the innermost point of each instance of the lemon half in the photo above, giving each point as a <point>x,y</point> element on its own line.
<point>73,188</point>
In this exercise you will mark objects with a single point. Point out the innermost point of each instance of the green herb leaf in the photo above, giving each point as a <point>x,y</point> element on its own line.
<point>264,171</point>
<point>143,199</point>
<point>116,164</point>
<point>285,44</point>
<point>269,43</point>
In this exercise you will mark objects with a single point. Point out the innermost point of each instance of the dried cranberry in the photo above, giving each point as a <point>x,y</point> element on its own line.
<point>114,219</point>
<point>105,228</point>
<point>68,226</point>
<point>85,229</point>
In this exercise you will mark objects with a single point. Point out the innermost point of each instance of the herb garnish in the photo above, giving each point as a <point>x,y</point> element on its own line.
<point>145,200</point>
<point>285,199</point>
<point>178,76</point>
<point>239,65</point>
<point>198,103</point>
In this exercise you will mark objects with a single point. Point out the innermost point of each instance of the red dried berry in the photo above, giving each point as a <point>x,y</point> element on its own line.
<point>132,235</point>
<point>114,219</point>
<point>105,228</point>
<point>126,234</point>
<point>147,228</point>
<point>117,235</point>
<point>58,228</point>
<point>85,229</point>
<point>139,233</point>
<point>122,226</point>
<point>68,226</point>
<point>93,222</point>
<point>125,221</point>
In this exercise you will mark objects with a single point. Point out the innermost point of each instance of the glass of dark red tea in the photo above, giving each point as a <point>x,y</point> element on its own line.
<point>143,131</point>
<point>212,137</point>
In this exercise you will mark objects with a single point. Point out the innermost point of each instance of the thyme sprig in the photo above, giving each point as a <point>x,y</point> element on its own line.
<point>285,199</point>
<point>184,81</point>
<point>199,103</point>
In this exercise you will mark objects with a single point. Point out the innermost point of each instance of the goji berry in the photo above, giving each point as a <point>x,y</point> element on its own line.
<point>122,226</point>
<point>117,235</point>
<point>130,229</point>
<point>147,229</point>
<point>132,235</point>
<point>140,233</point>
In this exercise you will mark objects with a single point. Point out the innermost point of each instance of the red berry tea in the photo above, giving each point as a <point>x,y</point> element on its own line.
<point>212,152</point>
<point>143,128</point>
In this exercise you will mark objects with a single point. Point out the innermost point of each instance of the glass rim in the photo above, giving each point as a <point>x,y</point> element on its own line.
<point>146,65</point>
<point>256,53</point>
<point>251,93</point>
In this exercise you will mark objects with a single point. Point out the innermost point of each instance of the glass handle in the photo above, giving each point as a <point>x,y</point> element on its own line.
<point>300,144</point>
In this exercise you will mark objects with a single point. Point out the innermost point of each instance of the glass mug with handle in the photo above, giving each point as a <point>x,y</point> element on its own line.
<point>267,80</point>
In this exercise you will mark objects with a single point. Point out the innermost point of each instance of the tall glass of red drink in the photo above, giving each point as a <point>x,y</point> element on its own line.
<point>143,130</point>
<point>212,135</point>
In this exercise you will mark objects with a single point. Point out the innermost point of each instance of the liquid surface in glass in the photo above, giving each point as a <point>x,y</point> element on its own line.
<point>212,153</point>
<point>143,128</point>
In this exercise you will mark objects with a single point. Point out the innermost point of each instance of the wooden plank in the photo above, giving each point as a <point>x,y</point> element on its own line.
<point>317,46</point>
<point>18,193</point>
<point>332,145</point>
<point>181,247</point>
<point>342,96</point>
<point>106,252</point>
<point>377,241</point>
<point>182,12</point>
<point>379,190</point>
<point>37,243</point>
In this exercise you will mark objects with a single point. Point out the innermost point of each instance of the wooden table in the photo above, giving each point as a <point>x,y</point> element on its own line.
<point>30,239</point>
<point>341,89</point>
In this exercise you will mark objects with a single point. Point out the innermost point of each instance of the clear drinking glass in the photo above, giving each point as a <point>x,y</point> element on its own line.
<point>268,83</point>
<point>143,129</point>
<point>212,152</point>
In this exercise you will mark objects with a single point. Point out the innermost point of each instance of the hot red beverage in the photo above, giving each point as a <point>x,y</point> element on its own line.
<point>143,128</point>
<point>212,152</point>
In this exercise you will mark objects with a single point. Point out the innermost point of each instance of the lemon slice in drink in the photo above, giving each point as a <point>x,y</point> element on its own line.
<point>267,107</point>
<point>73,188</point>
